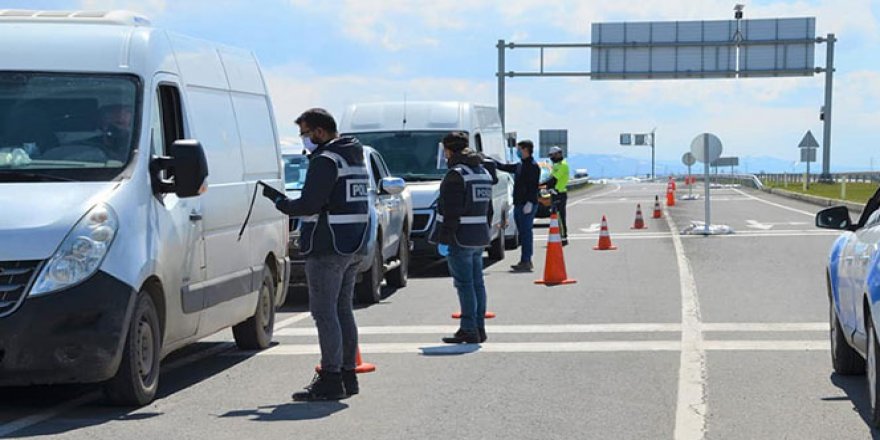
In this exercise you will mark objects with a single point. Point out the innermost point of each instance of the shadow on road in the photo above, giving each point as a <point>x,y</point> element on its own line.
<point>857,392</point>
<point>23,401</point>
<point>289,412</point>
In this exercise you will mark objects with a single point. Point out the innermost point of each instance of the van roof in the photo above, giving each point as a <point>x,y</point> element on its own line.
<point>418,115</point>
<point>90,17</point>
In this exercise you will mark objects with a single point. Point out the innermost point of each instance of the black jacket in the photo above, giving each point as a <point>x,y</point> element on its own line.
<point>318,187</point>
<point>451,203</point>
<point>525,184</point>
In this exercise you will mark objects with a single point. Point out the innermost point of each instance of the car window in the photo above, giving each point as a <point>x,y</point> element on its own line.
<point>374,168</point>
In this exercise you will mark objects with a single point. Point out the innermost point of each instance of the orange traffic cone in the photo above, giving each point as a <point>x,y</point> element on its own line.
<point>360,365</point>
<point>672,183</point>
<point>489,315</point>
<point>640,221</point>
<point>670,195</point>
<point>604,238</point>
<point>554,266</point>
<point>658,211</point>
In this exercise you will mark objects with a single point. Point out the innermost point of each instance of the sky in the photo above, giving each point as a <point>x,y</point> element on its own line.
<point>334,53</point>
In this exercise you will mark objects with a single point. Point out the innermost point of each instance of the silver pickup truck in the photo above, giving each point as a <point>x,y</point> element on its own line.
<point>389,247</point>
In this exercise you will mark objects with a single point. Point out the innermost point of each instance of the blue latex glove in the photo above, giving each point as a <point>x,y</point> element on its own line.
<point>443,250</point>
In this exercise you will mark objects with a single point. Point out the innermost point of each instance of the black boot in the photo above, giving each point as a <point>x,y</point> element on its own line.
<point>325,386</point>
<point>482,332</point>
<point>463,337</point>
<point>350,380</point>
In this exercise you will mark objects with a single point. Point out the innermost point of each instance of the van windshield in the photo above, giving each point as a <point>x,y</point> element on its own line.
<point>296,167</point>
<point>411,155</point>
<point>66,127</point>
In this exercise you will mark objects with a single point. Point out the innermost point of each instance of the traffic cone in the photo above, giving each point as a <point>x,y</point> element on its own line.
<point>670,196</point>
<point>672,183</point>
<point>658,211</point>
<point>640,221</point>
<point>360,365</point>
<point>554,266</point>
<point>604,238</point>
<point>489,315</point>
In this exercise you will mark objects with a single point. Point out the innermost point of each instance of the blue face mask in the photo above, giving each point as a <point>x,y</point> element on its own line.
<point>519,154</point>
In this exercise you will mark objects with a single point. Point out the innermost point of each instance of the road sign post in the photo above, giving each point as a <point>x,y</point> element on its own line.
<point>689,160</point>
<point>707,148</point>
<point>808,148</point>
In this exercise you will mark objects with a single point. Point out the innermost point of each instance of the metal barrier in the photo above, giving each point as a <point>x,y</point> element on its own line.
<point>577,183</point>
<point>747,180</point>
<point>795,178</point>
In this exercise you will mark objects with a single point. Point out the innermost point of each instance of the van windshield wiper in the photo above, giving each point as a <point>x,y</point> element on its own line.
<point>20,176</point>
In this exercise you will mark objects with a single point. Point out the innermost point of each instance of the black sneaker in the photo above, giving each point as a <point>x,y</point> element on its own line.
<point>350,381</point>
<point>324,386</point>
<point>463,337</point>
<point>525,266</point>
<point>482,332</point>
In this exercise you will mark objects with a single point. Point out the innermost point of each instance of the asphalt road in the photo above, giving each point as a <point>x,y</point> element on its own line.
<point>670,336</point>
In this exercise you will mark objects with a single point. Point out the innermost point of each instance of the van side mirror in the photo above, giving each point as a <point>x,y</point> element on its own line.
<point>836,217</point>
<point>391,185</point>
<point>185,170</point>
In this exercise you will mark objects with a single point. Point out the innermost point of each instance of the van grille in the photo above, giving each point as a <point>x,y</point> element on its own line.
<point>15,280</point>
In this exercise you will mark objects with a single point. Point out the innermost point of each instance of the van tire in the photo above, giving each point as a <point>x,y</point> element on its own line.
<point>142,351</point>
<point>873,370</point>
<point>399,277</point>
<point>369,289</point>
<point>496,248</point>
<point>256,332</point>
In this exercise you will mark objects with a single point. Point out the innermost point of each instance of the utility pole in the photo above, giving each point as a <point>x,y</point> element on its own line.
<point>826,132</point>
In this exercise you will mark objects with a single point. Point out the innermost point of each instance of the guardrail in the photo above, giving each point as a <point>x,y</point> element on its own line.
<point>748,180</point>
<point>793,178</point>
<point>577,183</point>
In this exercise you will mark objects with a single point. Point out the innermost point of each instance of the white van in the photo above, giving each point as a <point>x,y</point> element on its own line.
<point>115,248</point>
<point>408,135</point>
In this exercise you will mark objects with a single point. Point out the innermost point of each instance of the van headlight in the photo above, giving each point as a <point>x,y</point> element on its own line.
<point>81,252</point>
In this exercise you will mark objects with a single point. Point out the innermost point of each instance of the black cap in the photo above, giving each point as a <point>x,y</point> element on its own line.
<point>455,141</point>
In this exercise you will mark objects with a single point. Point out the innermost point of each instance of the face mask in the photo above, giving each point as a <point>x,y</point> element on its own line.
<point>308,144</point>
<point>556,159</point>
<point>519,154</point>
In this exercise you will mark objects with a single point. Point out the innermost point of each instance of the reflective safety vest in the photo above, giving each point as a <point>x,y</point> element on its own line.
<point>473,230</point>
<point>348,210</point>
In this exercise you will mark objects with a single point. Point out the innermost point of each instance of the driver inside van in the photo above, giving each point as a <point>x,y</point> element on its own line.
<point>115,131</point>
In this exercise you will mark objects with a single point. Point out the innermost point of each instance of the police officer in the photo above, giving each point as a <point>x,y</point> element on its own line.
<point>335,210</point>
<point>558,183</point>
<point>463,225</point>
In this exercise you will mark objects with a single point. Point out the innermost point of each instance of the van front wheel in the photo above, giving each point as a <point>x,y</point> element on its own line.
<point>256,332</point>
<point>137,379</point>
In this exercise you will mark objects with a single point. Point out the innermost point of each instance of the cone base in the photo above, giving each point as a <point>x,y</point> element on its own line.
<point>638,228</point>
<point>488,315</point>
<point>598,248</point>
<point>548,283</point>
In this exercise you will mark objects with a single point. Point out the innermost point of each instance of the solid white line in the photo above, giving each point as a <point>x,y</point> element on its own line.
<point>501,329</point>
<point>436,348</point>
<point>788,208</point>
<point>691,408</point>
<point>292,320</point>
<point>656,236</point>
<point>765,327</point>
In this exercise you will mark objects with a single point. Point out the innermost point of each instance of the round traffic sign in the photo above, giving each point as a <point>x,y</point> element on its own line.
<point>688,159</point>
<point>706,147</point>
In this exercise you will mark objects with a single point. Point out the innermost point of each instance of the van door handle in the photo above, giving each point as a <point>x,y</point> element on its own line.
<point>195,216</point>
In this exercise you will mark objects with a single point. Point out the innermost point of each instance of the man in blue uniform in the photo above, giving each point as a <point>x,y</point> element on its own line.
<point>463,225</point>
<point>335,211</point>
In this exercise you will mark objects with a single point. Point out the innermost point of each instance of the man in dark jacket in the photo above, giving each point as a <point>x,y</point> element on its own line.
<point>335,210</point>
<point>525,200</point>
<point>462,224</point>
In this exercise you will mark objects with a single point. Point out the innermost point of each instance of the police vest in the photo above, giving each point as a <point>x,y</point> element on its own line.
<point>348,210</point>
<point>473,229</point>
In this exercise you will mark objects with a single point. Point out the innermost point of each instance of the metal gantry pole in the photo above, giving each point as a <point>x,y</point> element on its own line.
<point>653,155</point>
<point>826,132</point>
<point>501,46</point>
<point>707,184</point>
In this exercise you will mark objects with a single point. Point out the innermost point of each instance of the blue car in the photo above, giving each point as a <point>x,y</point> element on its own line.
<point>853,276</point>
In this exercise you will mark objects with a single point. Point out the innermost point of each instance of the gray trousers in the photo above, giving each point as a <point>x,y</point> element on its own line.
<point>331,280</point>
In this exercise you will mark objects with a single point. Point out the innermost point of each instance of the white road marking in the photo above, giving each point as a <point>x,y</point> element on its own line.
<point>594,227</point>
<point>691,408</point>
<point>666,235</point>
<point>758,225</point>
<point>437,348</point>
<point>600,194</point>
<point>57,410</point>
<point>787,208</point>
<point>502,329</point>
<point>292,320</point>
<point>752,327</point>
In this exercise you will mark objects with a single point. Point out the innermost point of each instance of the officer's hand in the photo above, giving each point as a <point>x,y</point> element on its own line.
<point>527,208</point>
<point>272,194</point>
